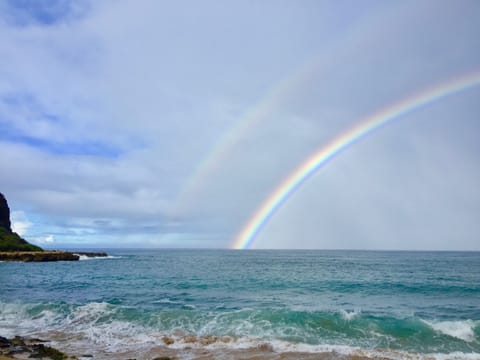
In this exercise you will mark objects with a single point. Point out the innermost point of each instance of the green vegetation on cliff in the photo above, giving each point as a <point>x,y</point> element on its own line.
<point>10,241</point>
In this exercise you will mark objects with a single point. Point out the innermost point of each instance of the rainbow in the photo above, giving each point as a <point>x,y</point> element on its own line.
<point>222,149</point>
<point>363,128</point>
<point>322,62</point>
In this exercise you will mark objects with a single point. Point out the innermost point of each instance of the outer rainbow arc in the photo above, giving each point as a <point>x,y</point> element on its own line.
<point>365,127</point>
<point>320,63</point>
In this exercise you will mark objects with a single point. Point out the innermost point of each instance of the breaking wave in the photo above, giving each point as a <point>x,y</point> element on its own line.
<point>111,327</point>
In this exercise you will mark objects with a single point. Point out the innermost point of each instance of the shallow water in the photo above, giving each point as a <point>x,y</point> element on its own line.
<point>365,303</point>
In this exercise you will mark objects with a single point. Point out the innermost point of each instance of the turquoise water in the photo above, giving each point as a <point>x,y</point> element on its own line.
<point>415,302</point>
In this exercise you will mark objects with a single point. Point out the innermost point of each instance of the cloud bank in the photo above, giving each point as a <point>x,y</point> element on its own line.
<point>109,110</point>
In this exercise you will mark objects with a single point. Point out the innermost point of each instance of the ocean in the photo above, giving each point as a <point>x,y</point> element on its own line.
<point>251,304</point>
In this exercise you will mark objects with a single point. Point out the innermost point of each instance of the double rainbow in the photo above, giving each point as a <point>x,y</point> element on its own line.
<point>363,128</point>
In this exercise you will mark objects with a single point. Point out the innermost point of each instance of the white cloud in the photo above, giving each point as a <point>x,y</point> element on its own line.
<point>44,240</point>
<point>20,223</point>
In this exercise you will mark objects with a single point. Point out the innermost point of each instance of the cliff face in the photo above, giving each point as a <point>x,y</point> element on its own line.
<point>4,214</point>
<point>10,241</point>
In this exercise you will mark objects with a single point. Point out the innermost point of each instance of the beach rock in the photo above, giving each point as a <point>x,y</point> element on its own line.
<point>168,340</point>
<point>41,351</point>
<point>208,340</point>
<point>190,339</point>
<point>18,341</point>
<point>265,347</point>
<point>4,342</point>
<point>29,348</point>
<point>5,214</point>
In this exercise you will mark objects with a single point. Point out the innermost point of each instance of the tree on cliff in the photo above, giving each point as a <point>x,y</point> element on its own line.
<point>9,240</point>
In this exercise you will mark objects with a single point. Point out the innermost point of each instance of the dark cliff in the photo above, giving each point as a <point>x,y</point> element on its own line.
<point>4,214</point>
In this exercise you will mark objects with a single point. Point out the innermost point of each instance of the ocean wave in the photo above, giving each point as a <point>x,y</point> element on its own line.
<point>463,330</point>
<point>90,313</point>
<point>113,327</point>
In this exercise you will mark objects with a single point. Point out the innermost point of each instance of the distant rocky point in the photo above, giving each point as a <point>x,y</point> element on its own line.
<point>43,256</point>
<point>15,248</point>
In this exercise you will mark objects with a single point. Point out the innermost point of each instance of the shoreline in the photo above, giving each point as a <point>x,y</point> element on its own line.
<point>195,347</point>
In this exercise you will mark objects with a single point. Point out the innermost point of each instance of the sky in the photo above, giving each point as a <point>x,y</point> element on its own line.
<point>137,124</point>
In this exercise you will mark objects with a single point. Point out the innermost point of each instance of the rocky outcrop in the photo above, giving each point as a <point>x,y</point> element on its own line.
<point>28,348</point>
<point>91,254</point>
<point>46,256</point>
<point>41,256</point>
<point>5,214</point>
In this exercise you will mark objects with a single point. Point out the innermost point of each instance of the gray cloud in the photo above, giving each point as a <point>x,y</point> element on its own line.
<point>108,109</point>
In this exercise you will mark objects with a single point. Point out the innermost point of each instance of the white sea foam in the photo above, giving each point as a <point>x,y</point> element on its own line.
<point>165,301</point>
<point>244,343</point>
<point>189,306</point>
<point>9,315</point>
<point>15,320</point>
<point>279,346</point>
<point>349,315</point>
<point>89,314</point>
<point>85,257</point>
<point>91,326</point>
<point>457,356</point>
<point>463,330</point>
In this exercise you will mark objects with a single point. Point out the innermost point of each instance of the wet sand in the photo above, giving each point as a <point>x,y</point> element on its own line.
<point>248,354</point>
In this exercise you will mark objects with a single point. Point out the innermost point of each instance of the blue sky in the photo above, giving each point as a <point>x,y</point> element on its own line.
<point>109,111</point>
